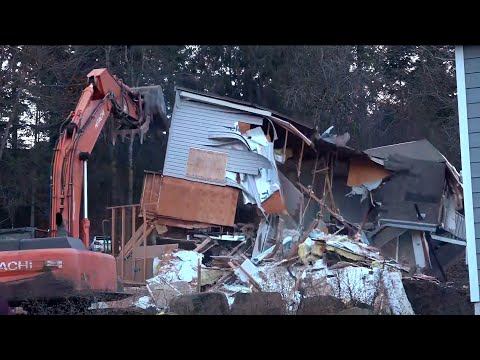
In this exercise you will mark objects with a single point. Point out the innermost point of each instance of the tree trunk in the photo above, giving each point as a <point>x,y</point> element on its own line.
<point>34,175</point>
<point>113,153</point>
<point>15,134</point>
<point>32,206</point>
<point>108,49</point>
<point>10,122</point>
<point>114,192</point>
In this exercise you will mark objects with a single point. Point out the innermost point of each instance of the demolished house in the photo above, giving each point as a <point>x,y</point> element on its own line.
<point>406,200</point>
<point>246,202</point>
<point>222,154</point>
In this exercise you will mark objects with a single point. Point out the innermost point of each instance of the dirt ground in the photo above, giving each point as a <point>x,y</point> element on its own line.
<point>450,298</point>
<point>457,274</point>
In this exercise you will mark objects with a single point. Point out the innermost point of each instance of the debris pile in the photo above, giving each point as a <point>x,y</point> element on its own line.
<point>236,200</point>
<point>324,265</point>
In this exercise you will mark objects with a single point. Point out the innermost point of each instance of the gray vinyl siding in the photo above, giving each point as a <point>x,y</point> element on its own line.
<point>191,125</point>
<point>472,84</point>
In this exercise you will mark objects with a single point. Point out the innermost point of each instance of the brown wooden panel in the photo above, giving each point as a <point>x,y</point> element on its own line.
<point>199,202</point>
<point>139,263</point>
<point>363,170</point>
<point>207,165</point>
<point>128,268</point>
<point>184,224</point>
<point>275,204</point>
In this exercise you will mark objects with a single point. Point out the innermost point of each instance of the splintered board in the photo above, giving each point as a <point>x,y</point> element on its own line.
<point>207,165</point>
<point>196,201</point>
<point>152,183</point>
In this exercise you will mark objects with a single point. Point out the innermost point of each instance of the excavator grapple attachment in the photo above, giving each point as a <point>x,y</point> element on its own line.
<point>154,105</point>
<point>154,112</point>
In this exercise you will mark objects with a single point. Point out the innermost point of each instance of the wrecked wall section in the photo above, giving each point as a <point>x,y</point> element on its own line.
<point>192,125</point>
<point>219,143</point>
<point>395,194</point>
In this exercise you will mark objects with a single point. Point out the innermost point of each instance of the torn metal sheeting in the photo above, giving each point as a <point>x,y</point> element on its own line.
<point>416,150</point>
<point>263,231</point>
<point>413,225</point>
<point>449,240</point>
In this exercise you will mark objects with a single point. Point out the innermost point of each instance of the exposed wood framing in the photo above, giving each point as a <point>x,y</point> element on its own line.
<point>299,165</point>
<point>236,248</point>
<point>144,246</point>
<point>304,237</point>
<point>310,193</point>
<point>330,191</point>
<point>255,284</point>
<point>122,206</point>
<point>285,146</point>
<point>203,245</point>
<point>113,232</point>
<point>321,170</point>
<point>134,219</point>
<point>123,241</point>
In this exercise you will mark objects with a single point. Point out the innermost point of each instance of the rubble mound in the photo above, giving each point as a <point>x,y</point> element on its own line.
<point>356,311</point>
<point>211,303</point>
<point>259,303</point>
<point>124,311</point>
<point>434,298</point>
<point>321,305</point>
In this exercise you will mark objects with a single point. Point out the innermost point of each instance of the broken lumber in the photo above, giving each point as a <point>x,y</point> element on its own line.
<point>222,280</point>
<point>199,275</point>
<point>310,193</point>
<point>306,234</point>
<point>255,284</point>
<point>202,245</point>
<point>236,248</point>
<point>204,250</point>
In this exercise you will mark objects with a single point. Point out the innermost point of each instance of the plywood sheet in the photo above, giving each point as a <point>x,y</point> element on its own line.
<point>207,165</point>
<point>198,202</point>
<point>138,275</point>
<point>362,171</point>
<point>275,204</point>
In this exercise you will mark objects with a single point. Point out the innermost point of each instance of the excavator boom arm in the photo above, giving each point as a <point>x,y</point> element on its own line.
<point>104,94</point>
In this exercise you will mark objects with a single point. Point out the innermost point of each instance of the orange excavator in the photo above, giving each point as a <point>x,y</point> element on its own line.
<point>61,266</point>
